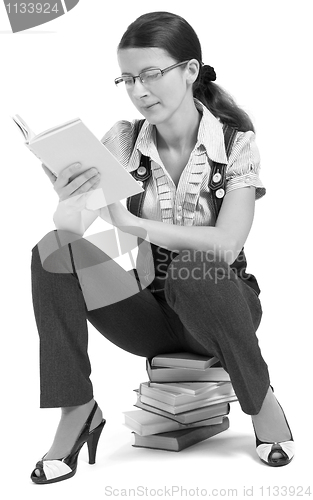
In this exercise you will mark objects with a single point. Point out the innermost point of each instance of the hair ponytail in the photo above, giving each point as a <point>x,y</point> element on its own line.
<point>219,102</point>
<point>174,34</point>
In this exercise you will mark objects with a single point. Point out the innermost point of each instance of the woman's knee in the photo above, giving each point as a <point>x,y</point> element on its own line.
<point>52,253</point>
<point>66,252</point>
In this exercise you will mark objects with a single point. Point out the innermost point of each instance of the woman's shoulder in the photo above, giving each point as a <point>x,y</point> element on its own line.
<point>122,128</point>
<point>244,164</point>
<point>244,142</point>
<point>121,137</point>
<point>244,137</point>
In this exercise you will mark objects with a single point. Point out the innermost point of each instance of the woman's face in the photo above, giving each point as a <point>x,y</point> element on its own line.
<point>161,100</point>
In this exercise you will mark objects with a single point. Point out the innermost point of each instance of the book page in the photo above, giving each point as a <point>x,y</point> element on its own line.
<point>28,134</point>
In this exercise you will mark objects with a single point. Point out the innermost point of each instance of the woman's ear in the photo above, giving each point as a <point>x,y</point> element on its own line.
<point>193,69</point>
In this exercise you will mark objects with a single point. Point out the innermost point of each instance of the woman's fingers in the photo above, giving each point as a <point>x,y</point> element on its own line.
<point>82,179</point>
<point>66,174</point>
<point>71,183</point>
<point>83,183</point>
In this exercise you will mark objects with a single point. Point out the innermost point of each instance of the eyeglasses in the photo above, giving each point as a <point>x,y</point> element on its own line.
<point>147,77</point>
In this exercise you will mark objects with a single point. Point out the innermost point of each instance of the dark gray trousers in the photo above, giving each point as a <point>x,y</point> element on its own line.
<point>205,308</point>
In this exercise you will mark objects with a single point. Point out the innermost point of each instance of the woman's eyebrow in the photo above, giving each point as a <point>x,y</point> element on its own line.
<point>144,69</point>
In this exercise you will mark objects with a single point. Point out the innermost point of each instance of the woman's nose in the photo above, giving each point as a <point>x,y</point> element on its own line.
<point>139,90</point>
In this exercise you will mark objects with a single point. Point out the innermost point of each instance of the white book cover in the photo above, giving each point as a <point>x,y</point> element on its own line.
<point>187,406</point>
<point>176,398</point>
<point>145,423</point>
<point>192,388</point>
<point>184,360</point>
<point>73,142</point>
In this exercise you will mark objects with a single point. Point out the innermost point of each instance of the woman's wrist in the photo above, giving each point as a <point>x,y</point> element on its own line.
<point>68,221</point>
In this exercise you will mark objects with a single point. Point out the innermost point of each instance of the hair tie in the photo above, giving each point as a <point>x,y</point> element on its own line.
<point>207,74</point>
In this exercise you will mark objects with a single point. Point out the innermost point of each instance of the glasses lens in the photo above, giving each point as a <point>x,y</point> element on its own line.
<point>150,76</point>
<point>128,80</point>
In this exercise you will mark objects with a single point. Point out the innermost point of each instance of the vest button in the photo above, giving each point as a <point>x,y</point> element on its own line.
<point>217,177</point>
<point>141,170</point>
<point>220,193</point>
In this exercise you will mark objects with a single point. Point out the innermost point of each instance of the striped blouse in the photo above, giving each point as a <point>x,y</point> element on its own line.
<point>191,202</point>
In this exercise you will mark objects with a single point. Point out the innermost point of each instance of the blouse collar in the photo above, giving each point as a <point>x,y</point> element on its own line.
<point>210,135</point>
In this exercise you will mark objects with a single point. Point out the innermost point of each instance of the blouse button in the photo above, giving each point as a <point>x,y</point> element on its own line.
<point>141,170</point>
<point>217,177</point>
<point>140,183</point>
<point>178,217</point>
<point>220,193</point>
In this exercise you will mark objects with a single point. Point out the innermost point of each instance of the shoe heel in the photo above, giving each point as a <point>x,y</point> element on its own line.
<point>93,440</point>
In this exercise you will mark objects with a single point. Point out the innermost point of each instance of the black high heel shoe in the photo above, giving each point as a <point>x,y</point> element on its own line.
<point>286,449</point>
<point>52,471</point>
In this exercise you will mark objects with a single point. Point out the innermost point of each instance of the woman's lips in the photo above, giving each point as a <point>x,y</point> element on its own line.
<point>151,105</point>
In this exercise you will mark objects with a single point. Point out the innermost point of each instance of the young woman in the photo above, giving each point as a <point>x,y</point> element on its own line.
<point>204,302</point>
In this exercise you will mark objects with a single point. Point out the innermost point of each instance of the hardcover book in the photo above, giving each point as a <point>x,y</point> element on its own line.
<point>73,142</point>
<point>163,374</point>
<point>176,397</point>
<point>181,439</point>
<point>146,423</point>
<point>176,410</point>
<point>183,360</point>
<point>189,416</point>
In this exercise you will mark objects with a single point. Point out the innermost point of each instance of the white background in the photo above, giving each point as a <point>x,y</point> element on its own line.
<point>261,51</point>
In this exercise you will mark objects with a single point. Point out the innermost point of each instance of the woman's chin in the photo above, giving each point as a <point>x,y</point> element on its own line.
<point>155,120</point>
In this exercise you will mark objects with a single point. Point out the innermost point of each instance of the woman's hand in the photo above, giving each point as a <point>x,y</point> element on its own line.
<point>67,184</point>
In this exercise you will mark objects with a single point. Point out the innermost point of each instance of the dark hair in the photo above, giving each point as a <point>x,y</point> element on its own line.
<point>174,34</point>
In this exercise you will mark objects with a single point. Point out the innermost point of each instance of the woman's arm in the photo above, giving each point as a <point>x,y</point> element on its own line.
<point>75,222</point>
<point>71,214</point>
<point>225,239</point>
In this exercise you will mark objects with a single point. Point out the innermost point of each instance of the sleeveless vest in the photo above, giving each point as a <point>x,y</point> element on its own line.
<point>162,257</point>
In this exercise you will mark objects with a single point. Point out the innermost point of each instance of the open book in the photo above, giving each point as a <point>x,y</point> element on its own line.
<point>73,142</point>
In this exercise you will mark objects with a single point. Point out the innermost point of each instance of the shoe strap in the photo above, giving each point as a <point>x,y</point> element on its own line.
<point>91,415</point>
<point>86,426</point>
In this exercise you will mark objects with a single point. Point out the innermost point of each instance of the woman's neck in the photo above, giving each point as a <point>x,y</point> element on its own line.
<point>180,133</point>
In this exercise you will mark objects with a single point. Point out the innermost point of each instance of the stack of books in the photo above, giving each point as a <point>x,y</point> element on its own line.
<point>185,401</point>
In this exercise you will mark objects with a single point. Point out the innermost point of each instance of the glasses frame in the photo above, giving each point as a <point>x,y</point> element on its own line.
<point>120,79</point>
